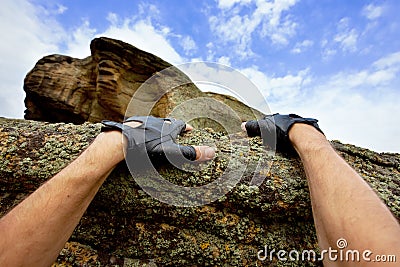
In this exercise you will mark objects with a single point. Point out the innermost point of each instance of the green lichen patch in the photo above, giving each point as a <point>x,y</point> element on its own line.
<point>125,224</point>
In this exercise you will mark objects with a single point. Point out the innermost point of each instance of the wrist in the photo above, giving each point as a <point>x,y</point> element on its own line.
<point>305,137</point>
<point>113,142</point>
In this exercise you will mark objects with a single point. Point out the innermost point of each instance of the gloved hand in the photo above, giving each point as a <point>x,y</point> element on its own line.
<point>155,137</point>
<point>274,130</point>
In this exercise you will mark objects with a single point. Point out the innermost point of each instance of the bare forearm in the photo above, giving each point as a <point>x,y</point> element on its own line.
<point>39,226</point>
<point>344,205</point>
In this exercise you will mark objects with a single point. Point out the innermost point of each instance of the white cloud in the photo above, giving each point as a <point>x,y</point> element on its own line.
<point>328,54</point>
<point>188,45</point>
<point>227,4</point>
<point>280,91</point>
<point>289,87</point>
<point>145,36</point>
<point>346,37</point>
<point>347,40</point>
<point>148,10</point>
<point>78,44</point>
<point>390,61</point>
<point>139,32</point>
<point>277,27</point>
<point>31,32</point>
<point>28,33</point>
<point>259,79</point>
<point>224,60</point>
<point>265,19</point>
<point>372,11</point>
<point>300,47</point>
<point>61,9</point>
<point>112,18</point>
<point>357,107</point>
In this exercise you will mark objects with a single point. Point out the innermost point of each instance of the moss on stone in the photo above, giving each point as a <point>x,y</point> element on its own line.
<point>126,224</point>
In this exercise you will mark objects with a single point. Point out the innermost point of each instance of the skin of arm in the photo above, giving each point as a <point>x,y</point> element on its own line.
<point>35,231</point>
<point>39,226</point>
<point>344,205</point>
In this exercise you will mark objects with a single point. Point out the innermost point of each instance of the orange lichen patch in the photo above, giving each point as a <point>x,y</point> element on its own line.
<point>227,247</point>
<point>277,181</point>
<point>282,204</point>
<point>140,227</point>
<point>207,209</point>
<point>251,232</point>
<point>78,254</point>
<point>229,219</point>
<point>203,246</point>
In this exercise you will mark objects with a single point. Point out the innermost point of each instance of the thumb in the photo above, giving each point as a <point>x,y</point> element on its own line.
<point>204,153</point>
<point>175,152</point>
<point>198,153</point>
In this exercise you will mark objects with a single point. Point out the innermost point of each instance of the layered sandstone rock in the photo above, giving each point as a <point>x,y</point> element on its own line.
<point>101,86</point>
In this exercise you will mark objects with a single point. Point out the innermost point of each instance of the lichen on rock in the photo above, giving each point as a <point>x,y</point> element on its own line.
<point>125,224</point>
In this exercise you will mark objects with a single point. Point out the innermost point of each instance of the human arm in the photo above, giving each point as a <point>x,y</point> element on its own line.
<point>344,205</point>
<point>34,232</point>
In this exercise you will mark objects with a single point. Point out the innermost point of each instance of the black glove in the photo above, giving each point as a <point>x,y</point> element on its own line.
<point>155,137</point>
<point>274,130</point>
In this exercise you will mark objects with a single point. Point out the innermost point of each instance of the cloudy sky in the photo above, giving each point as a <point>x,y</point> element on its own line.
<point>335,60</point>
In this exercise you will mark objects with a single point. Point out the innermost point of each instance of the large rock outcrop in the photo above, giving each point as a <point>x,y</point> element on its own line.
<point>126,227</point>
<point>64,89</point>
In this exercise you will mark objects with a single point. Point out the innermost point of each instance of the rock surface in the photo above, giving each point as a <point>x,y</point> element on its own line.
<point>64,89</point>
<point>126,227</point>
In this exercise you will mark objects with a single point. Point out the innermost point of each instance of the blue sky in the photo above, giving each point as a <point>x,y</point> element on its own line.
<point>336,60</point>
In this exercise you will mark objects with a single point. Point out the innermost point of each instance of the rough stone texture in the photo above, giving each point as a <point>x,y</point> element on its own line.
<point>64,89</point>
<point>126,227</point>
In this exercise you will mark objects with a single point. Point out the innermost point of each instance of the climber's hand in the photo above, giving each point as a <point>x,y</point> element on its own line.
<point>274,129</point>
<point>156,138</point>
